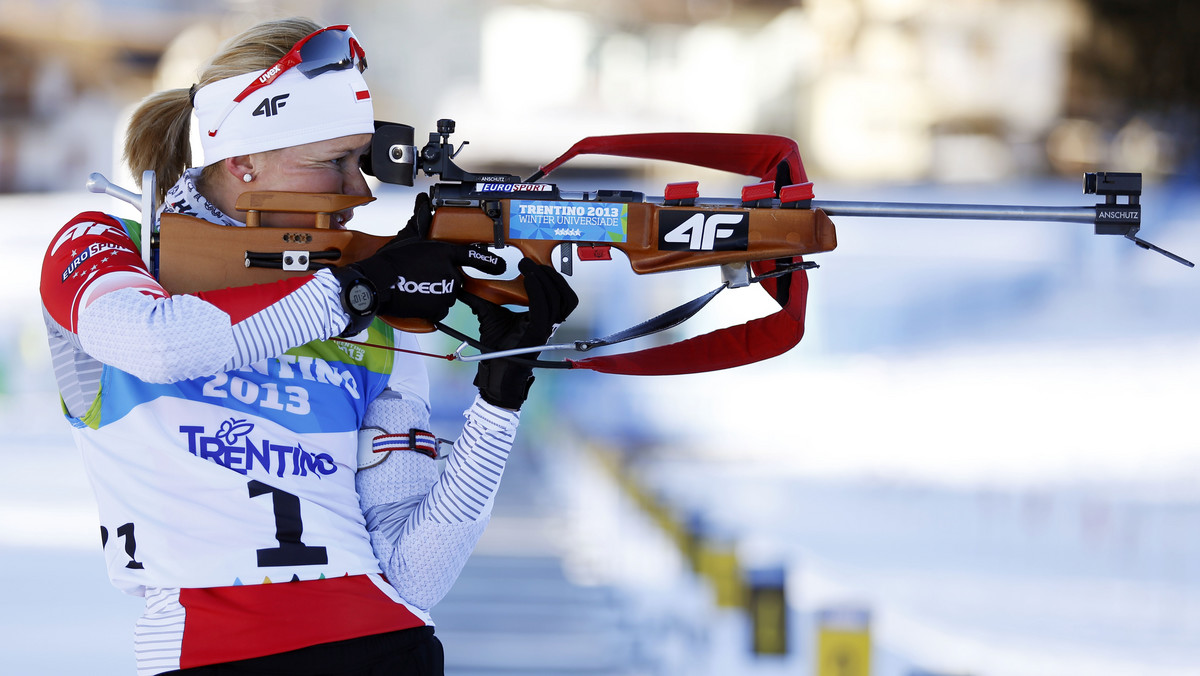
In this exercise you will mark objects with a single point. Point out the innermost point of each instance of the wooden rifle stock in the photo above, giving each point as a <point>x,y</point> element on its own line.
<point>195,255</point>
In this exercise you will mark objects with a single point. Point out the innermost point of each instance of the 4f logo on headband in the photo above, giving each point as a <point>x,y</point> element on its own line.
<point>271,106</point>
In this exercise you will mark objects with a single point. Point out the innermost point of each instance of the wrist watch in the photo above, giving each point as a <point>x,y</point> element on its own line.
<point>359,298</point>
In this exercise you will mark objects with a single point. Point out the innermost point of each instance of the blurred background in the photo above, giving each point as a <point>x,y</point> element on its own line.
<point>983,458</point>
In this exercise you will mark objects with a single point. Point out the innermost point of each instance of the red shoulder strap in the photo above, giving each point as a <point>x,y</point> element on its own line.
<point>746,154</point>
<point>756,340</point>
<point>761,155</point>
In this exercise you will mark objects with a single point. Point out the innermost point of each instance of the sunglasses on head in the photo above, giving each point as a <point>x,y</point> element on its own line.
<point>330,48</point>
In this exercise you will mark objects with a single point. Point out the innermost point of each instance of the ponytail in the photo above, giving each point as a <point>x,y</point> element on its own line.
<point>158,139</point>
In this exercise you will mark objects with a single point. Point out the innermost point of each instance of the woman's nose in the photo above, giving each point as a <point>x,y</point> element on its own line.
<point>356,184</point>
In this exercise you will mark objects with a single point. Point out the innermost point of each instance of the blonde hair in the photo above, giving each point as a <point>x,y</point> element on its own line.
<point>158,136</point>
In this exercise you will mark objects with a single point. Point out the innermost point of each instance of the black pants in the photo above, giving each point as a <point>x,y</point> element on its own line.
<point>412,652</point>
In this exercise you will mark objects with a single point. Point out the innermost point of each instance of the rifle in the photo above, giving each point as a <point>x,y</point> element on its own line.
<point>760,237</point>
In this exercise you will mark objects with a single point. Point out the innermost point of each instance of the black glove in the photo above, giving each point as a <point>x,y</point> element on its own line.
<point>413,277</point>
<point>505,382</point>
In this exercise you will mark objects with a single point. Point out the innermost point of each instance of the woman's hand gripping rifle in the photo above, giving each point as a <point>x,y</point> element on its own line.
<point>505,382</point>
<point>414,278</point>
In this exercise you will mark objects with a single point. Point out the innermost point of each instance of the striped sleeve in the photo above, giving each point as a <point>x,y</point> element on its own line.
<point>100,299</point>
<point>158,633</point>
<point>187,336</point>
<point>313,311</point>
<point>426,529</point>
<point>467,489</point>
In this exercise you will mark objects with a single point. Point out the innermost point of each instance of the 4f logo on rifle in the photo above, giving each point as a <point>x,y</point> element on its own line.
<point>271,105</point>
<point>681,230</point>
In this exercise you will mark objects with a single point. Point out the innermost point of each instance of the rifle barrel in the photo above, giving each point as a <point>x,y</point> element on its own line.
<point>984,212</point>
<point>978,212</point>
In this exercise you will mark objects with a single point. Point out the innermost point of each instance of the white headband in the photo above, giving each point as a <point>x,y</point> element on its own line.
<point>290,111</point>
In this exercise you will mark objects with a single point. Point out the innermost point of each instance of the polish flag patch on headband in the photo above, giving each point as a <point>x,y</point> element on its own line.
<point>291,111</point>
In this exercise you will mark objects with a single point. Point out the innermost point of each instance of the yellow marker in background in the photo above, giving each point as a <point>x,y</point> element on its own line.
<point>716,559</point>
<point>844,642</point>
<point>766,602</point>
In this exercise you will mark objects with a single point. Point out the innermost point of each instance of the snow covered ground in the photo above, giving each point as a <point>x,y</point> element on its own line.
<point>988,438</point>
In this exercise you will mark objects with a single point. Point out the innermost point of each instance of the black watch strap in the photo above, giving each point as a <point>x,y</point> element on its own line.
<point>360,298</point>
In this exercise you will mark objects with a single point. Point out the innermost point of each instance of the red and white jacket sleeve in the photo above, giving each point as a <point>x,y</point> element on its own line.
<point>98,295</point>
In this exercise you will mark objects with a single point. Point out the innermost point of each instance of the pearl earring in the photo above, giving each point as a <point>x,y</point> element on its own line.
<point>247,177</point>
